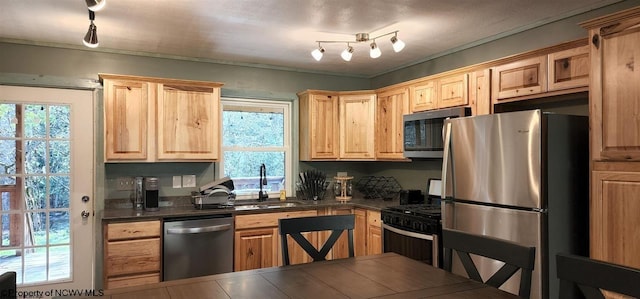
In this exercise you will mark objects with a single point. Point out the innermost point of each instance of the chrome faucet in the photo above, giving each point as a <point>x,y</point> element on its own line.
<point>262,195</point>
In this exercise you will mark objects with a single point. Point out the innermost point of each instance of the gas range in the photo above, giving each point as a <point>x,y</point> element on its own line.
<point>420,218</point>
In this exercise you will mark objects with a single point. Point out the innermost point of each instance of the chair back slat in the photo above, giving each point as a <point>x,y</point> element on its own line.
<point>515,256</point>
<point>294,227</point>
<point>591,275</point>
<point>8,285</point>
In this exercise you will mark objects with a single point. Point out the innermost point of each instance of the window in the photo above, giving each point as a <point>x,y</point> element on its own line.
<point>256,132</point>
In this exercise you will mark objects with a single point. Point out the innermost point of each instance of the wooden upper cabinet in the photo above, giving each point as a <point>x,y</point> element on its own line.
<point>390,107</point>
<point>153,119</point>
<point>452,91</point>
<point>614,90</point>
<point>188,122</point>
<point>569,68</point>
<point>519,78</point>
<point>480,92</point>
<point>357,126</point>
<point>442,92</point>
<point>423,96</point>
<point>126,115</point>
<point>319,126</point>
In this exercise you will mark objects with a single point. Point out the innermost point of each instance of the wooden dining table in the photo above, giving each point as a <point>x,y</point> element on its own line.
<point>386,275</point>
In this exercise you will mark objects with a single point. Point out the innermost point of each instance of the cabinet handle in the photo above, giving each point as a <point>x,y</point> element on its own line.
<point>595,40</point>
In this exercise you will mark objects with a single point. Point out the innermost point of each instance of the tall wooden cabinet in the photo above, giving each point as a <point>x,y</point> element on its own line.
<point>615,136</point>
<point>153,119</point>
<point>391,105</point>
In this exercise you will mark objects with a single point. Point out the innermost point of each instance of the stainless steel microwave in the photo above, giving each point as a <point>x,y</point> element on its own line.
<point>423,131</point>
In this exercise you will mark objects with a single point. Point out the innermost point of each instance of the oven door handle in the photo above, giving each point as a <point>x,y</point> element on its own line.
<point>407,233</point>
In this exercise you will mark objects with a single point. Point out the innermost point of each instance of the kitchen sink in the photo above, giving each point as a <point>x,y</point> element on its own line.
<point>267,205</point>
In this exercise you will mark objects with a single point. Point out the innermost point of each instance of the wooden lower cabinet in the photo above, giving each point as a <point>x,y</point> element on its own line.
<point>257,241</point>
<point>131,253</point>
<point>374,232</point>
<point>614,217</point>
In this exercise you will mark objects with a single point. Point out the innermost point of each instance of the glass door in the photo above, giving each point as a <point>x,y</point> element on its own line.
<point>46,187</point>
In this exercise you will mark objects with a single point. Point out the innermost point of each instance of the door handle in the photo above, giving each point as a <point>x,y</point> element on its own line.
<point>85,214</point>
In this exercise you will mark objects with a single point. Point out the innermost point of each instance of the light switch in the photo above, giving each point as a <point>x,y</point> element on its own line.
<point>177,181</point>
<point>189,180</point>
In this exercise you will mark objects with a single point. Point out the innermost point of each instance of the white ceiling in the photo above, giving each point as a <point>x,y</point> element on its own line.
<point>281,33</point>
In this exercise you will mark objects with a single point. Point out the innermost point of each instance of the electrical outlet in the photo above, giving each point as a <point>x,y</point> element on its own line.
<point>188,180</point>
<point>125,183</point>
<point>177,181</point>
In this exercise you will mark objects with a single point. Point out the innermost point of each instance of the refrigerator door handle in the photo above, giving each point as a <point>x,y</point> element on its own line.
<point>445,158</point>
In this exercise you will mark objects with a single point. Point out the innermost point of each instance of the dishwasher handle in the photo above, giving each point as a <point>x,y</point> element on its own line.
<point>198,230</point>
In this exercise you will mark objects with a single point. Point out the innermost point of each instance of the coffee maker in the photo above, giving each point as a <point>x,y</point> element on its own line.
<point>150,193</point>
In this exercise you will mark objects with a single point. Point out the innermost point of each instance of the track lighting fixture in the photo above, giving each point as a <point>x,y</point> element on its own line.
<point>347,53</point>
<point>96,5</point>
<point>91,38</point>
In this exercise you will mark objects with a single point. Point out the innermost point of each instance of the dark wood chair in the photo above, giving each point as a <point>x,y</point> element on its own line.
<point>296,226</point>
<point>589,276</point>
<point>8,285</point>
<point>515,256</point>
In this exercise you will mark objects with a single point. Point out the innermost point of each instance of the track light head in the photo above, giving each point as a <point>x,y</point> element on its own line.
<point>317,53</point>
<point>375,51</point>
<point>347,53</point>
<point>96,5</point>
<point>91,38</point>
<point>398,45</point>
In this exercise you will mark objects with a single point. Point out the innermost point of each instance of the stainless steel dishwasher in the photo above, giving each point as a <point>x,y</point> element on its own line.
<point>197,246</point>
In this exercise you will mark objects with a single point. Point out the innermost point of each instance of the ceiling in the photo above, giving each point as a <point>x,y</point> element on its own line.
<point>281,33</point>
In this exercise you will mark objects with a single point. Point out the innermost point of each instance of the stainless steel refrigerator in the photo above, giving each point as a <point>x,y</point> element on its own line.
<point>521,176</point>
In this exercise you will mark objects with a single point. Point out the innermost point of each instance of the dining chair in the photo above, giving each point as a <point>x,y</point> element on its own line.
<point>589,276</point>
<point>515,257</point>
<point>296,226</point>
<point>8,285</point>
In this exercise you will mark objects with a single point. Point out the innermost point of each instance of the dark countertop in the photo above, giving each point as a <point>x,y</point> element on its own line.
<point>126,214</point>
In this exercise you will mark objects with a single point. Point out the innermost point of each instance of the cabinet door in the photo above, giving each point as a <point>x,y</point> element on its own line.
<point>360,232</point>
<point>255,248</point>
<point>614,217</point>
<point>325,142</point>
<point>480,92</point>
<point>615,94</point>
<point>297,255</point>
<point>132,257</point>
<point>520,78</point>
<point>390,107</point>
<point>423,96</point>
<point>374,233</point>
<point>188,122</point>
<point>453,91</point>
<point>569,68</point>
<point>126,116</point>
<point>357,130</point>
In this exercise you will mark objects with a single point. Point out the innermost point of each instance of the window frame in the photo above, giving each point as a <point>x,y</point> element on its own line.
<point>257,105</point>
